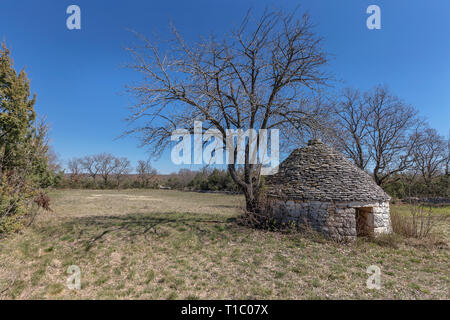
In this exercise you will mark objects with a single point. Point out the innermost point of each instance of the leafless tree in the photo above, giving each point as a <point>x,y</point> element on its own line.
<point>261,76</point>
<point>75,167</point>
<point>89,164</point>
<point>447,160</point>
<point>377,131</point>
<point>122,167</point>
<point>185,176</point>
<point>54,162</point>
<point>145,172</point>
<point>106,164</point>
<point>392,127</point>
<point>429,154</point>
<point>352,127</point>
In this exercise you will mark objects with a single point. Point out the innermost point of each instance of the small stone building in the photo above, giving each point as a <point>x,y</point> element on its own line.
<point>319,187</point>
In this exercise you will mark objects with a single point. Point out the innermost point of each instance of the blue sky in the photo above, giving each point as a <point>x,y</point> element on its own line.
<point>79,81</point>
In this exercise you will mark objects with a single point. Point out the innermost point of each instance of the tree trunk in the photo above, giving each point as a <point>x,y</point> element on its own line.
<point>252,199</point>
<point>251,191</point>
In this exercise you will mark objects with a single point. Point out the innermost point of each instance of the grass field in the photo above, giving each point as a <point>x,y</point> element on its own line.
<point>159,244</point>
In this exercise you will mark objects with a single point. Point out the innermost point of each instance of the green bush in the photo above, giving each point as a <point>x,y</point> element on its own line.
<point>24,168</point>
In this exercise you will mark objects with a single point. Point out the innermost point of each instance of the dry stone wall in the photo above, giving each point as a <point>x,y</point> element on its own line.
<point>335,220</point>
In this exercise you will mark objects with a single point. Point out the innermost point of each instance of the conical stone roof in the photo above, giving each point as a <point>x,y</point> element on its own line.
<point>318,172</point>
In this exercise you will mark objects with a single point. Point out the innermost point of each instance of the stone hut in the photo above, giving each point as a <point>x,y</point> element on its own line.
<point>318,186</point>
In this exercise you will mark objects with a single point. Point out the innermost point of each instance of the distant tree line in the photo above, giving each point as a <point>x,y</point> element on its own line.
<point>106,171</point>
<point>206,179</point>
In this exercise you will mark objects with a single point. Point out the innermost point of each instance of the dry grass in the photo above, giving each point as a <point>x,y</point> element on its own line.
<point>419,221</point>
<point>139,244</point>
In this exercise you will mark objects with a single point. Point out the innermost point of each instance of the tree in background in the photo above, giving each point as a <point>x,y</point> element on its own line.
<point>106,164</point>
<point>393,125</point>
<point>54,163</point>
<point>84,171</point>
<point>90,166</point>
<point>122,167</point>
<point>384,136</point>
<point>447,161</point>
<point>377,131</point>
<point>351,129</point>
<point>24,149</point>
<point>146,173</point>
<point>75,168</point>
<point>430,155</point>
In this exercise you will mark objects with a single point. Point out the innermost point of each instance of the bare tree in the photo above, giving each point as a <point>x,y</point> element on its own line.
<point>429,154</point>
<point>377,131</point>
<point>145,172</point>
<point>258,77</point>
<point>447,160</point>
<point>185,176</point>
<point>54,163</point>
<point>75,167</point>
<point>352,127</point>
<point>122,167</point>
<point>89,164</point>
<point>106,164</point>
<point>392,127</point>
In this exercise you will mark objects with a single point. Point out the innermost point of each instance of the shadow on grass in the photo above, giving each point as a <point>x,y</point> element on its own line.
<point>226,206</point>
<point>92,229</point>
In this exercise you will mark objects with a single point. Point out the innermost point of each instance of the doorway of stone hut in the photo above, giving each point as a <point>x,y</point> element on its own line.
<point>364,222</point>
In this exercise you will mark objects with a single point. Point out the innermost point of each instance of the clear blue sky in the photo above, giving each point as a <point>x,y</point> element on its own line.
<point>79,81</point>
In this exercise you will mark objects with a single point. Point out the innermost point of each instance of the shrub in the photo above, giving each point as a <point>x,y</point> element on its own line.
<point>418,222</point>
<point>24,151</point>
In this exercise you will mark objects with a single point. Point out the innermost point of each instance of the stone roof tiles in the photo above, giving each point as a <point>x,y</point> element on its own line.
<point>318,172</point>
